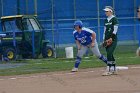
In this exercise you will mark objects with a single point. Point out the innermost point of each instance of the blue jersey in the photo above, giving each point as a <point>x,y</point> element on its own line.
<point>84,37</point>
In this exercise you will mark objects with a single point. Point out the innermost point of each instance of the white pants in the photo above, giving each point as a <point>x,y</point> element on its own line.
<point>95,50</point>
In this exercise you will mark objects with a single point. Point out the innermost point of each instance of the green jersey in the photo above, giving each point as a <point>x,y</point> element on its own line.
<point>110,28</point>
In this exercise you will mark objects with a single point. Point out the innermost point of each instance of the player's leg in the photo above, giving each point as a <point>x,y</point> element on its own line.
<point>111,66</point>
<point>97,53</point>
<point>114,62</point>
<point>80,54</point>
<point>111,60</point>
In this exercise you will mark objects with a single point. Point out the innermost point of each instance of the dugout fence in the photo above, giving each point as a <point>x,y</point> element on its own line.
<point>57,18</point>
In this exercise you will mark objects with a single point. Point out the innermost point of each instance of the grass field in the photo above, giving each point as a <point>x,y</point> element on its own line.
<point>62,64</point>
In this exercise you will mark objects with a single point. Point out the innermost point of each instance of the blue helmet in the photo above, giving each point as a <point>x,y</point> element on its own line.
<point>78,23</point>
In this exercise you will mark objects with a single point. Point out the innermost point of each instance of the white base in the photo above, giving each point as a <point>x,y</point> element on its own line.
<point>118,68</point>
<point>121,68</point>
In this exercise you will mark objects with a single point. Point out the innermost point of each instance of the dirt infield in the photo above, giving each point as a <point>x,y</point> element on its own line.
<point>84,81</point>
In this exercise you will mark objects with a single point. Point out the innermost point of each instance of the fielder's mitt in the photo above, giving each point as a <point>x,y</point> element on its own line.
<point>107,43</point>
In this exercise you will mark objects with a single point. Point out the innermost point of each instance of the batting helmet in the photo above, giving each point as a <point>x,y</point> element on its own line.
<point>78,23</point>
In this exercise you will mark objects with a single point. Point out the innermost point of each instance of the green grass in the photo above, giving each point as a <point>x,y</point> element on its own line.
<point>125,55</point>
<point>59,64</point>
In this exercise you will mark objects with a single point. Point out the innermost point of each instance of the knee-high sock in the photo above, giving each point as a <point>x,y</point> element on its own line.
<point>103,58</point>
<point>109,64</point>
<point>114,65</point>
<point>77,62</point>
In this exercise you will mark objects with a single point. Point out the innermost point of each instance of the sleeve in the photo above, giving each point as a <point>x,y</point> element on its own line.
<point>105,21</point>
<point>115,29</point>
<point>115,23</point>
<point>89,33</point>
<point>104,33</point>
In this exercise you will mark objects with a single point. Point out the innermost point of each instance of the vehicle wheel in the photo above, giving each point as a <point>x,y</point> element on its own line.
<point>9,54</point>
<point>47,51</point>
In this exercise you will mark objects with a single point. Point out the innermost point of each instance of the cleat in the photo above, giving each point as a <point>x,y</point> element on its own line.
<point>107,73</point>
<point>74,70</point>
<point>112,70</point>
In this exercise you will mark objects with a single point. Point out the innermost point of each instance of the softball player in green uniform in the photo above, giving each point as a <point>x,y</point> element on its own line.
<point>110,39</point>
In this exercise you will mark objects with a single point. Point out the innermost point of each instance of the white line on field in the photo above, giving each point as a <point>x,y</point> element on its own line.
<point>13,78</point>
<point>69,73</point>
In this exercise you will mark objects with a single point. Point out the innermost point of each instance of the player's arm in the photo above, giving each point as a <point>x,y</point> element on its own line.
<point>78,44</point>
<point>76,41</point>
<point>110,40</point>
<point>92,34</point>
<point>116,23</point>
<point>104,33</point>
<point>93,38</point>
<point>115,31</point>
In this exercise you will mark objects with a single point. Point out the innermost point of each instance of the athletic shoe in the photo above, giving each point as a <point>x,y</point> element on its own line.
<point>74,69</point>
<point>107,73</point>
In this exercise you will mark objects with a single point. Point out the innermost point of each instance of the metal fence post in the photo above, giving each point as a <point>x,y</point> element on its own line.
<point>18,7</point>
<point>35,6</point>
<point>14,38</point>
<point>1,7</point>
<point>98,10</point>
<point>54,45</point>
<point>139,35</point>
<point>33,43</point>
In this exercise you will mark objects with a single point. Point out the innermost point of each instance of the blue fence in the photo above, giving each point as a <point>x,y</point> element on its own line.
<point>57,16</point>
<point>126,33</point>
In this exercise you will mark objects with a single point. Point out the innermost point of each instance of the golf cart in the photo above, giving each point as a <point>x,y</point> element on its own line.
<point>23,35</point>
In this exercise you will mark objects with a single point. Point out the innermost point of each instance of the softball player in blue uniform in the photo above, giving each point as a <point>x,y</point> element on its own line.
<point>85,38</point>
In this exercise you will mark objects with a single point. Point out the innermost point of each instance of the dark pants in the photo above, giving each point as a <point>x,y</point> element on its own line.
<point>110,50</point>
